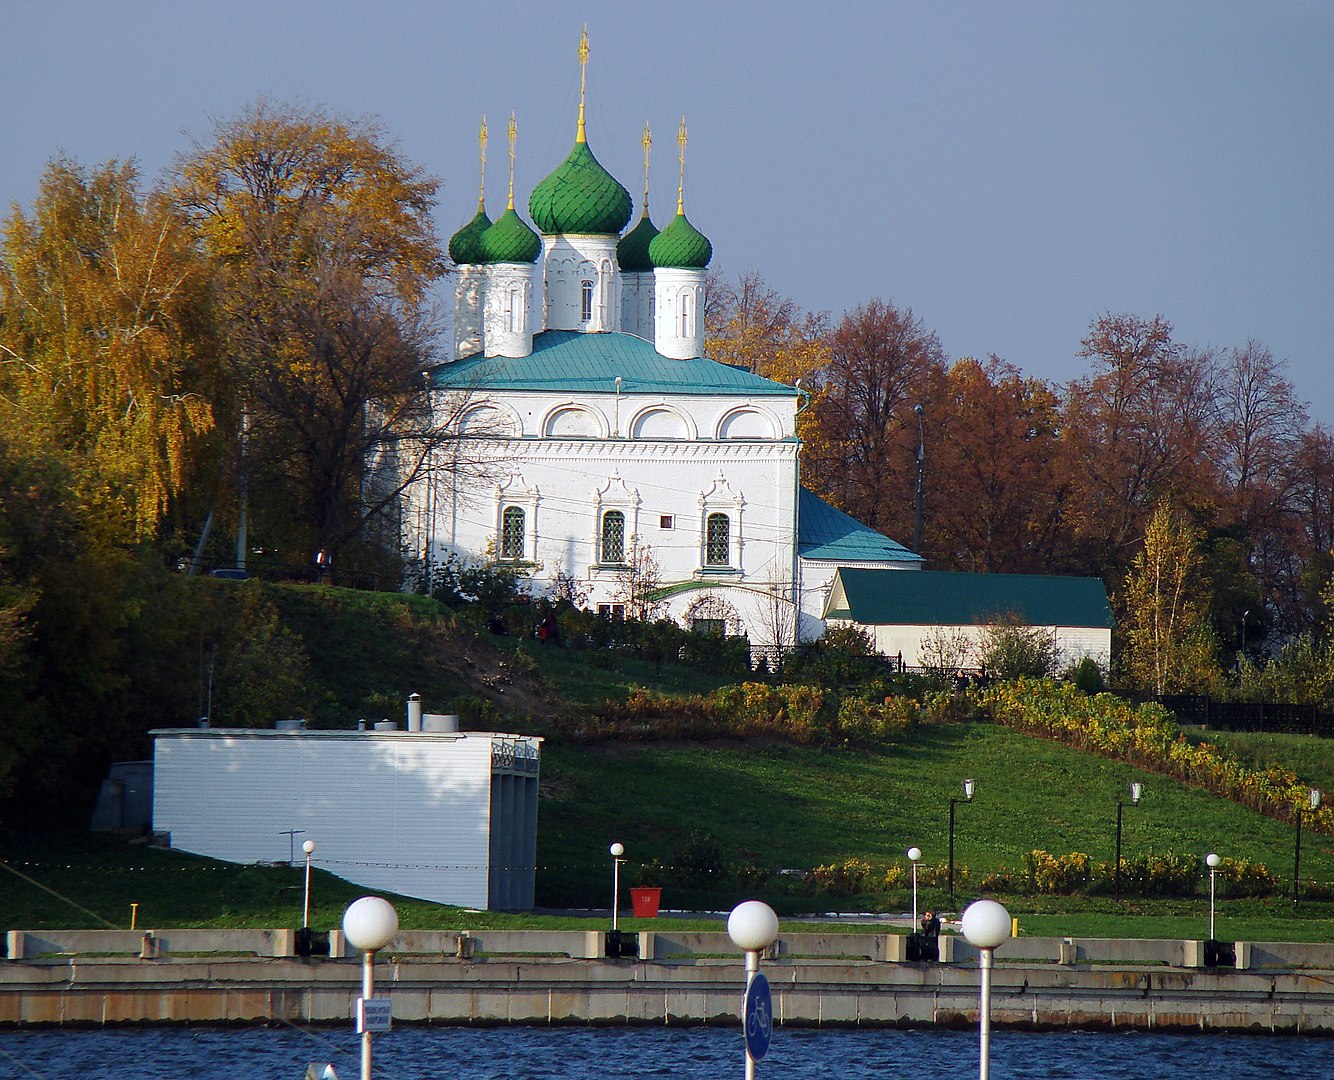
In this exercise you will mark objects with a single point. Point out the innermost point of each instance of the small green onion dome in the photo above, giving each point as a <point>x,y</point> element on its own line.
<point>580,197</point>
<point>465,245</point>
<point>632,251</point>
<point>680,246</point>
<point>509,240</point>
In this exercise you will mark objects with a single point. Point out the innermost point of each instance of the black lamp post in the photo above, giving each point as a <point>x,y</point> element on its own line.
<point>921,474</point>
<point>1313,803</point>
<point>1136,790</point>
<point>968,788</point>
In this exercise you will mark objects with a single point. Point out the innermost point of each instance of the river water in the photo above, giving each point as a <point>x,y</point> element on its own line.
<point>518,1053</point>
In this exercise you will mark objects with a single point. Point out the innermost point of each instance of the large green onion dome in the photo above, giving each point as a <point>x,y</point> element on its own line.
<point>680,246</point>
<point>465,246</point>
<point>632,251</point>
<point>509,240</point>
<point>580,197</point>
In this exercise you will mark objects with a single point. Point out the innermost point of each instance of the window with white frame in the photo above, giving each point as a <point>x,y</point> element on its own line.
<point>687,327</point>
<point>512,523</point>
<point>613,537</point>
<point>717,540</point>
<point>586,300</point>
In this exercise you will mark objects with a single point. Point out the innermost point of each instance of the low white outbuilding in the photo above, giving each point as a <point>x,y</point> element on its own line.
<point>447,816</point>
<point>928,614</point>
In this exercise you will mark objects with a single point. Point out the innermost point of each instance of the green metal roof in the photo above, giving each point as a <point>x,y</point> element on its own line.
<point>824,532</point>
<point>465,245</point>
<point>681,245</point>
<point>570,361</point>
<point>632,251</point>
<point>509,240</point>
<point>580,196</point>
<point>941,598</point>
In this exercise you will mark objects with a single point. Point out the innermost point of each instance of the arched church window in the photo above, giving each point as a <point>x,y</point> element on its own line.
<point>613,537</point>
<point>717,540</point>
<point>686,328</point>
<point>586,300</point>
<point>515,309</point>
<point>511,533</point>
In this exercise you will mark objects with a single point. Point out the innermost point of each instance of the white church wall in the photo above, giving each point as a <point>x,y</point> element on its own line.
<point>583,283</point>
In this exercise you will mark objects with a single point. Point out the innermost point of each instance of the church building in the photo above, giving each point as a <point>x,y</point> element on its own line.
<point>620,455</point>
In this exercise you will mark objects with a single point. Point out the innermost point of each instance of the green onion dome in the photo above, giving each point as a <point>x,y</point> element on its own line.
<point>580,197</point>
<point>509,240</point>
<point>465,245</point>
<point>632,251</point>
<point>680,246</point>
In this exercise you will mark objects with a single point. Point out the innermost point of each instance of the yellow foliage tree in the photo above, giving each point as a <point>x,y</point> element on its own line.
<point>106,349</point>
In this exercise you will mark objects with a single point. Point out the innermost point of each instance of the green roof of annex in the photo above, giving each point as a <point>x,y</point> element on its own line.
<point>567,361</point>
<point>944,598</point>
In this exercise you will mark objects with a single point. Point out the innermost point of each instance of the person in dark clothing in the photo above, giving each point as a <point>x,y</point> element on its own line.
<point>930,925</point>
<point>549,633</point>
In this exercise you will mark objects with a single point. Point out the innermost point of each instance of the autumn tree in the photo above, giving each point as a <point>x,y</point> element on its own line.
<point>106,346</point>
<point>996,503</point>
<point>882,362</point>
<point>321,239</point>
<point>1168,644</point>
<point>1134,432</point>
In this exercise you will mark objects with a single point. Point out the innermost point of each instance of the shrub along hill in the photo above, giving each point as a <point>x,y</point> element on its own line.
<point>804,788</point>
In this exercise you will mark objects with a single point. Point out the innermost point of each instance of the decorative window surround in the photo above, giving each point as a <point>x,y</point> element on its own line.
<point>721,499</point>
<point>514,492</point>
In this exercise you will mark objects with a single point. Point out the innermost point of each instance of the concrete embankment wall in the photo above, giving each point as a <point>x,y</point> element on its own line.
<point>504,977</point>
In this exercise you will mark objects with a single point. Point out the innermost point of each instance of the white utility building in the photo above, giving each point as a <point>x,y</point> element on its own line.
<point>441,815</point>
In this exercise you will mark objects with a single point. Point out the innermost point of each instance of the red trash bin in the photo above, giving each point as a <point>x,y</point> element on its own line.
<point>644,902</point>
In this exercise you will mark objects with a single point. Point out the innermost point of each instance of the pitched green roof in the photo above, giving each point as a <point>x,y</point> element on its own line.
<point>824,532</point>
<point>580,196</point>
<point>941,598</point>
<point>570,361</point>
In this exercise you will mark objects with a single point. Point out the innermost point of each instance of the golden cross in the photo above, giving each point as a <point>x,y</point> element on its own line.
<point>513,134</point>
<point>647,143</point>
<point>481,191</point>
<point>581,136</point>
<point>681,184</point>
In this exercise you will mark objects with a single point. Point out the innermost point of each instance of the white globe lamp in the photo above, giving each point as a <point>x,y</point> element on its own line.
<point>752,926</point>
<point>370,923</point>
<point>914,855</point>
<point>986,924</point>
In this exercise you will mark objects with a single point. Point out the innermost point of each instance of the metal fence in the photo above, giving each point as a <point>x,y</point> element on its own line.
<point>1276,717</point>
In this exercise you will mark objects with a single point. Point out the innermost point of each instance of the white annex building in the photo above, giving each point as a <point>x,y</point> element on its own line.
<point>579,346</point>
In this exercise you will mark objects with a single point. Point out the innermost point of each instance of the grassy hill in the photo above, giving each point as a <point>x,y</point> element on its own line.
<point>717,818</point>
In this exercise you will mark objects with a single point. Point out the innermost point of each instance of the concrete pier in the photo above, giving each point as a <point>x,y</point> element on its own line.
<point>512,977</point>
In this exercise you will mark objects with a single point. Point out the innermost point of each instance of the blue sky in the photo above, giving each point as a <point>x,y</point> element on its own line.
<point>1009,171</point>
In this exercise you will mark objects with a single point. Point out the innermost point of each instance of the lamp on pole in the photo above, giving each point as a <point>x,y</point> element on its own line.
<point>1312,803</point>
<point>914,854</point>
<point>986,925</point>
<point>1136,790</point>
<point>370,924</point>
<point>309,848</point>
<point>753,927</point>
<point>1212,861</point>
<point>1244,615</point>
<point>921,476</point>
<point>617,850</point>
<point>968,787</point>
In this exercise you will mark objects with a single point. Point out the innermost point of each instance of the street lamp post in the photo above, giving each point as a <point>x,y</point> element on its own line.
<point>968,787</point>
<point>914,855</point>
<point>1136,790</point>
<point>617,850</point>
<point>309,848</point>
<point>753,927</point>
<point>1313,803</point>
<point>1212,861</point>
<point>921,477</point>
<point>370,924</point>
<point>986,925</point>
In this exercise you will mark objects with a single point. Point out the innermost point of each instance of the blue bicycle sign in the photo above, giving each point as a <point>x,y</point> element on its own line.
<point>757,1012</point>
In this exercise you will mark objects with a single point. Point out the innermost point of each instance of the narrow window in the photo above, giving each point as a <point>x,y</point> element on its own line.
<point>717,537</point>
<point>613,537</point>
<point>515,310</point>
<point>685,314</point>
<point>586,300</point>
<point>511,533</point>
